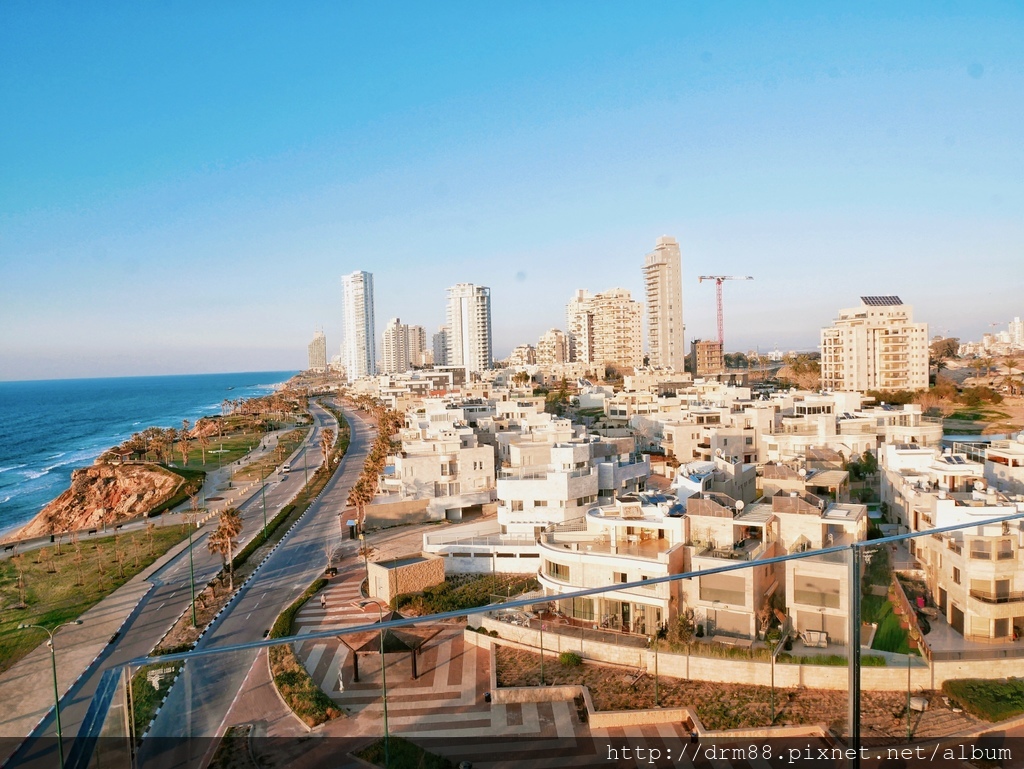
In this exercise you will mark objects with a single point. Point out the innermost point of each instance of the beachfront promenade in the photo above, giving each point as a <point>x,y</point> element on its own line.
<point>141,611</point>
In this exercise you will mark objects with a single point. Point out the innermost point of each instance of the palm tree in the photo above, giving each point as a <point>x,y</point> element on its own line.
<point>222,540</point>
<point>326,443</point>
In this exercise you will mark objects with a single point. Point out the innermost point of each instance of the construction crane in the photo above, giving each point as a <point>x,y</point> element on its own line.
<point>718,291</point>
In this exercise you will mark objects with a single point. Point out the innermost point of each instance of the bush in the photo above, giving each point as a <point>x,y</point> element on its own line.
<point>452,595</point>
<point>307,700</point>
<point>991,700</point>
<point>570,659</point>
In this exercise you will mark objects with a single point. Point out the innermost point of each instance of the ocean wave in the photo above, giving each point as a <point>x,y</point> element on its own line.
<point>12,467</point>
<point>33,474</point>
<point>58,455</point>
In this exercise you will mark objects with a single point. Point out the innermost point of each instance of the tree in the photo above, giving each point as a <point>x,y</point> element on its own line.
<point>869,463</point>
<point>944,349</point>
<point>184,444</point>
<point>222,540</point>
<point>19,564</point>
<point>326,443</point>
<point>520,378</point>
<point>202,434</point>
<point>680,633</point>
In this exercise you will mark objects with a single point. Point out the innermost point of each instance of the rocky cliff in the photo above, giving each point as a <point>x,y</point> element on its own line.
<point>104,493</point>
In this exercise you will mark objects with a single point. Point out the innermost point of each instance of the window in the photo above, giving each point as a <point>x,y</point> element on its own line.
<point>517,505</point>
<point>620,577</point>
<point>540,503</point>
<point>557,571</point>
<point>956,575</point>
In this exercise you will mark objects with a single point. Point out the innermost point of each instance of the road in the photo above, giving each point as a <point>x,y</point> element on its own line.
<point>168,599</point>
<point>200,699</point>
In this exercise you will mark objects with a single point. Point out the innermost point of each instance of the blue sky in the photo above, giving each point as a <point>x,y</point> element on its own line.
<point>182,187</point>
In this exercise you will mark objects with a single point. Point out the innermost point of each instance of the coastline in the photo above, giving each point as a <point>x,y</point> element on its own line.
<point>58,426</point>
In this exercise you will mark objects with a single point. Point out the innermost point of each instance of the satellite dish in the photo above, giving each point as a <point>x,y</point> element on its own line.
<point>1020,437</point>
<point>802,472</point>
<point>718,452</point>
<point>979,485</point>
<point>740,504</point>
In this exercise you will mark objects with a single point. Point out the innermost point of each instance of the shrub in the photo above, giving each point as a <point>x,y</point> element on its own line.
<point>992,700</point>
<point>570,659</point>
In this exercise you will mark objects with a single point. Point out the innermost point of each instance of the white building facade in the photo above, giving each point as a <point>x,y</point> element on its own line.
<point>876,346</point>
<point>469,327</point>
<point>358,348</point>
<point>663,282</point>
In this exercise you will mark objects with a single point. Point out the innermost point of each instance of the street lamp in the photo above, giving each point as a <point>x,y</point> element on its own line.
<point>654,643</point>
<point>383,677</point>
<point>263,494</point>
<point>190,522</point>
<point>56,691</point>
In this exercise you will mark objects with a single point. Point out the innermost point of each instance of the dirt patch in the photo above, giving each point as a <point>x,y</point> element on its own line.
<point>733,706</point>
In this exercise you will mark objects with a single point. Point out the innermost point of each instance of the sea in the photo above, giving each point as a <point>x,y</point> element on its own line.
<point>49,428</point>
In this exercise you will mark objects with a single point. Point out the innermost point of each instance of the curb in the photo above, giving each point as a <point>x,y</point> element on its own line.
<point>212,624</point>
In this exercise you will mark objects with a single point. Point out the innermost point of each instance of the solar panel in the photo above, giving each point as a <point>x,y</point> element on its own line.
<point>881,301</point>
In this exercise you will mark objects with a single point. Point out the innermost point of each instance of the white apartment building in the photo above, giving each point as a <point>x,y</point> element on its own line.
<point>358,346</point>
<point>522,355</point>
<point>579,327</point>
<point>818,587</point>
<point>394,348</point>
<point>876,346</point>
<point>469,327</point>
<point>975,576</point>
<point>638,537</point>
<point>617,329</point>
<point>416,341</point>
<point>1004,465</point>
<point>552,349</point>
<point>725,531</point>
<point>663,281</point>
<point>1016,333</point>
<point>441,464</point>
<point>318,353</point>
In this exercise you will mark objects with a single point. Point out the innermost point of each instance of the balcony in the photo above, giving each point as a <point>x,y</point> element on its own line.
<point>601,544</point>
<point>541,473</point>
<point>987,597</point>
<point>745,550</point>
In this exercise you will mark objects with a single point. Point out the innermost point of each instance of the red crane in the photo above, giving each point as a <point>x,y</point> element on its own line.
<point>718,291</point>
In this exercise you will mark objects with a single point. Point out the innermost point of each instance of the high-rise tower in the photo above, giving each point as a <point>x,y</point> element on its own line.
<point>663,278</point>
<point>318,352</point>
<point>358,350</point>
<point>469,327</point>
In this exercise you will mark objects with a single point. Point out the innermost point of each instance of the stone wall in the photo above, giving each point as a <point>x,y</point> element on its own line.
<point>386,581</point>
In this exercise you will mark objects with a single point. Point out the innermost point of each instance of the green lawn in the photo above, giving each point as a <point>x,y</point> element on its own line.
<point>53,597</point>
<point>890,636</point>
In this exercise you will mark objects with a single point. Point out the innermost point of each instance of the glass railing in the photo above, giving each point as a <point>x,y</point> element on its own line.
<point>659,659</point>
